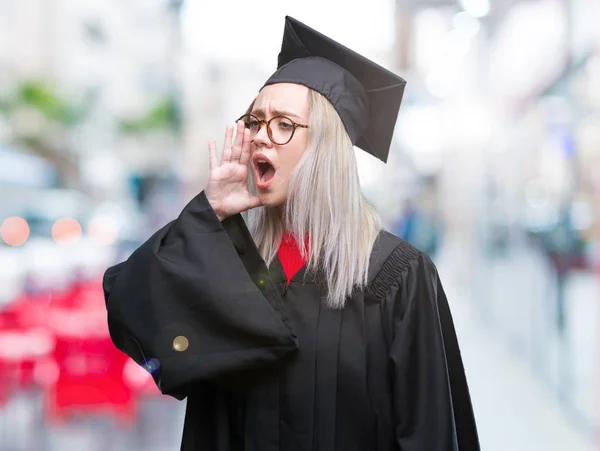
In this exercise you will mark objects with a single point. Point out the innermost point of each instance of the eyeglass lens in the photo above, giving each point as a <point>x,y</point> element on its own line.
<point>280,128</point>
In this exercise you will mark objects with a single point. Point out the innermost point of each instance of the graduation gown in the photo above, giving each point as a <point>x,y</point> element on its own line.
<point>266,366</point>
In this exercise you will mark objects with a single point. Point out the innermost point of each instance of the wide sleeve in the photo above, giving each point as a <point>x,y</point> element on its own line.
<point>184,305</point>
<point>432,405</point>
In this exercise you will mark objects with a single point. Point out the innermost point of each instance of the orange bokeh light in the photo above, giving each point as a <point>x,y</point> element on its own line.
<point>14,231</point>
<point>66,229</point>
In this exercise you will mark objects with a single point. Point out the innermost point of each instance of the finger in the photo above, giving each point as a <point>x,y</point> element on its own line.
<point>238,143</point>
<point>212,150</point>
<point>226,157</point>
<point>245,156</point>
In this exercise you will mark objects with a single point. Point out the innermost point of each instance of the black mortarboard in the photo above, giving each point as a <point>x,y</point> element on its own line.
<point>366,96</point>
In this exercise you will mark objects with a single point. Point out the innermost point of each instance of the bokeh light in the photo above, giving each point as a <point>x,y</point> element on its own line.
<point>66,230</point>
<point>14,231</point>
<point>102,231</point>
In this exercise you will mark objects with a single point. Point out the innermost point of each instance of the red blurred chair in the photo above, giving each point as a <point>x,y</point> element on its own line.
<point>90,368</point>
<point>21,349</point>
<point>60,342</point>
<point>24,341</point>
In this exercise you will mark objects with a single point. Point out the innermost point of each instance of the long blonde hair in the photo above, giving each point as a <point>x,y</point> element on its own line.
<point>326,204</point>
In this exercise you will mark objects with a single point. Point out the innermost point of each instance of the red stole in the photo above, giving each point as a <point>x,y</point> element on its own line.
<point>289,256</point>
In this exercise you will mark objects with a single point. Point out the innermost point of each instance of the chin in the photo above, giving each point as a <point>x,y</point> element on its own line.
<point>271,199</point>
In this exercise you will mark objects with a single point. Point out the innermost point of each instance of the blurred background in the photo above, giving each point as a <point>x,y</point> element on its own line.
<point>106,108</point>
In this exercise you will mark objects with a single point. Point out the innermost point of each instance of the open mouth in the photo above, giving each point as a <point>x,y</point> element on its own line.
<point>265,171</point>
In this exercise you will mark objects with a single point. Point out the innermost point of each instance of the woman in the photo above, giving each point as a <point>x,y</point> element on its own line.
<point>338,340</point>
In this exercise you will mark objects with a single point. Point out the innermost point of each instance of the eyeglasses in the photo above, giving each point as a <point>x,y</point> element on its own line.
<point>282,131</point>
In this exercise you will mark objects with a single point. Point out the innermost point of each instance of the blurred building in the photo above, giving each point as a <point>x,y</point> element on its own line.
<point>118,60</point>
<point>504,108</point>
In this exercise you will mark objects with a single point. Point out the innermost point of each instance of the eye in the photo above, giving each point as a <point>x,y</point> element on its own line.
<point>252,124</point>
<point>284,124</point>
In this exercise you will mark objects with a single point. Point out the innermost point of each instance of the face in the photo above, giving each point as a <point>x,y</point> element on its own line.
<point>273,164</point>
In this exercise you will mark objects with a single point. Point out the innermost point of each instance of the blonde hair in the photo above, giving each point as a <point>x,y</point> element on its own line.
<point>326,204</point>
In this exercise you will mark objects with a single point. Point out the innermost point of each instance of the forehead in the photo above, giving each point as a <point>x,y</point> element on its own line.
<point>289,97</point>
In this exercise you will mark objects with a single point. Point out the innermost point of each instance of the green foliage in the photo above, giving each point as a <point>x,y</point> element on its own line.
<point>164,115</point>
<point>48,102</point>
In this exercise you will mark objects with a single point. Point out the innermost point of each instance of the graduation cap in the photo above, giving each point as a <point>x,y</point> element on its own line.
<point>366,96</point>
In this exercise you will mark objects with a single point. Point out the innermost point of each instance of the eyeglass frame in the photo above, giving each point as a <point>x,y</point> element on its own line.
<point>262,122</point>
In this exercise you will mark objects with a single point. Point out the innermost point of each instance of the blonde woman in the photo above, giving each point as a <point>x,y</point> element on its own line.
<point>303,326</point>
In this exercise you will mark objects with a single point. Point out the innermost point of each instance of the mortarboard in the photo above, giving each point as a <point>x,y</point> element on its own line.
<point>366,96</point>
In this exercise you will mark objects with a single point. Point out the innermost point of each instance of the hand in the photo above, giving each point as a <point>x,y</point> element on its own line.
<point>227,189</point>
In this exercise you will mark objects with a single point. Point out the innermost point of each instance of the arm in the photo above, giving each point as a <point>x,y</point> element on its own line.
<point>188,281</point>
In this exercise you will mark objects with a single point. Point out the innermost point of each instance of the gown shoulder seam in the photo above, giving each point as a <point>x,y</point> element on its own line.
<point>398,262</point>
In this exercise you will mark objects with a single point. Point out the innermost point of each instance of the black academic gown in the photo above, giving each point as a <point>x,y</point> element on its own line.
<point>267,367</point>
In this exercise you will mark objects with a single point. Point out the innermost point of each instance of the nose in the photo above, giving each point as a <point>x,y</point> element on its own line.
<point>261,139</point>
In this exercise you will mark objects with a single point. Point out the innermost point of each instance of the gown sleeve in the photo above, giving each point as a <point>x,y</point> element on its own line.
<point>431,401</point>
<point>185,307</point>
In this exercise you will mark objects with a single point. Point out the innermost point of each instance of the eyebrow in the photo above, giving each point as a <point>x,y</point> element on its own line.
<point>260,112</point>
